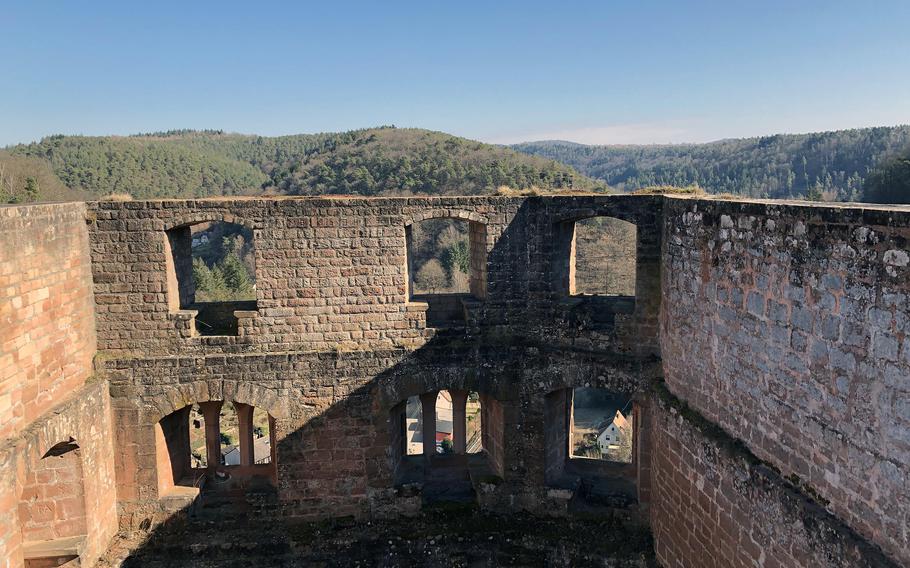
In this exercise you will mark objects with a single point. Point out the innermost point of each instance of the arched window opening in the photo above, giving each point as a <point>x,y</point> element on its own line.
<point>262,437</point>
<point>180,449</point>
<point>211,270</point>
<point>229,435</point>
<point>445,441</point>
<point>413,427</point>
<point>455,426</point>
<point>213,437</point>
<point>447,263</point>
<point>591,441</point>
<point>474,427</point>
<point>595,267</point>
<point>52,513</point>
<point>198,456</point>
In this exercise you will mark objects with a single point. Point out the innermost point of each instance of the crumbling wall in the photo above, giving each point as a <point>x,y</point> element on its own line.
<point>335,341</point>
<point>53,498</point>
<point>786,325</point>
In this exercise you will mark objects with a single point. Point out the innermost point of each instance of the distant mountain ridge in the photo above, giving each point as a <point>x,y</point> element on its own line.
<point>832,164</point>
<point>374,161</point>
<point>867,163</point>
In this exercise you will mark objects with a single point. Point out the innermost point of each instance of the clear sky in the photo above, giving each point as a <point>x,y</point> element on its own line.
<point>632,71</point>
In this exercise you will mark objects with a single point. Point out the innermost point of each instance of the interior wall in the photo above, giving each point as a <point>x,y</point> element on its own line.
<point>787,325</point>
<point>492,427</point>
<point>556,433</point>
<point>716,505</point>
<point>172,446</point>
<point>52,504</point>
<point>47,316</point>
<point>47,345</point>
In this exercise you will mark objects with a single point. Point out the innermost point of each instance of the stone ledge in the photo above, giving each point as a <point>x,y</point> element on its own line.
<point>54,548</point>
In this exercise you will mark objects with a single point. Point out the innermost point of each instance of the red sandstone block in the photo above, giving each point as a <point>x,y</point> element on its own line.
<point>69,508</point>
<point>44,476</point>
<point>39,512</point>
<point>71,527</point>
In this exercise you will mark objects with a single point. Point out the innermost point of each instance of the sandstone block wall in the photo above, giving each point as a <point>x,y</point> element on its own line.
<point>719,507</point>
<point>335,343</point>
<point>332,273</point>
<point>47,342</point>
<point>783,325</point>
<point>47,328</point>
<point>787,326</point>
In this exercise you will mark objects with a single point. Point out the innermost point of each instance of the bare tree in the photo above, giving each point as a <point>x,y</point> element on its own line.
<point>431,277</point>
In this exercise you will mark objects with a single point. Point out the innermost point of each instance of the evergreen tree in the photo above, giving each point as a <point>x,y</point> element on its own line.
<point>890,183</point>
<point>814,193</point>
<point>210,282</point>
<point>236,276</point>
<point>456,258</point>
<point>202,276</point>
<point>31,189</point>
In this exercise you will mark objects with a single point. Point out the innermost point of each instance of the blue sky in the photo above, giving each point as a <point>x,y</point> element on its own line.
<point>633,71</point>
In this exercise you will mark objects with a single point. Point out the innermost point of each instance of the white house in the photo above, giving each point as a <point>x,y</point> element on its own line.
<point>610,435</point>
<point>261,452</point>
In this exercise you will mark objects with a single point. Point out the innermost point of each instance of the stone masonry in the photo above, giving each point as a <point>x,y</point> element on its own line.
<point>48,393</point>
<point>806,358</point>
<point>764,351</point>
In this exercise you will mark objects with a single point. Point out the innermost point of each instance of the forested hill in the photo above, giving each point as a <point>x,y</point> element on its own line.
<point>832,165</point>
<point>377,161</point>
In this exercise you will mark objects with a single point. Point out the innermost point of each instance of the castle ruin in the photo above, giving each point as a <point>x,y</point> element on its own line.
<point>764,348</point>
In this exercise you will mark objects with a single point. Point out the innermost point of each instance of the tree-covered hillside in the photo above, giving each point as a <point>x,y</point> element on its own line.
<point>366,162</point>
<point>25,179</point>
<point>890,183</point>
<point>833,165</point>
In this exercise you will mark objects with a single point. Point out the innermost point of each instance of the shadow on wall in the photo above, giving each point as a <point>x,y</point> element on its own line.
<point>338,449</point>
<point>346,459</point>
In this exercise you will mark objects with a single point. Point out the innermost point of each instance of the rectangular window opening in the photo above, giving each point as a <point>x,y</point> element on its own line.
<point>447,261</point>
<point>601,425</point>
<point>211,270</point>
<point>603,258</point>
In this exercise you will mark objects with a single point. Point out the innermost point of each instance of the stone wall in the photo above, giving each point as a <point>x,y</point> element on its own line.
<point>332,273</point>
<point>53,498</point>
<point>47,342</point>
<point>782,325</point>
<point>47,329</point>
<point>786,325</point>
<point>335,416</point>
<point>33,507</point>
<point>718,506</point>
<point>336,343</point>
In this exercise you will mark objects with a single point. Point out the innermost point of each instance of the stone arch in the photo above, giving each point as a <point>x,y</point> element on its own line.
<point>606,244</point>
<point>182,395</point>
<point>598,207</point>
<point>195,217</point>
<point>211,316</point>
<point>414,382</point>
<point>168,414</point>
<point>556,399</point>
<point>445,213</point>
<point>394,392</point>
